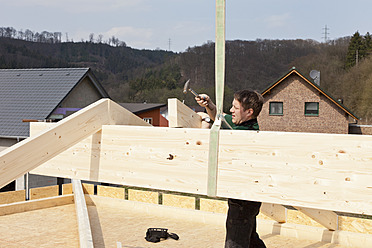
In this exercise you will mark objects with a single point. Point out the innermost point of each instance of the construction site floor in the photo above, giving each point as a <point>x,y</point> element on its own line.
<point>117,225</point>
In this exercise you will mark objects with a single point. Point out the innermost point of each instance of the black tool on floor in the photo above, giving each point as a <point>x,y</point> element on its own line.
<point>156,234</point>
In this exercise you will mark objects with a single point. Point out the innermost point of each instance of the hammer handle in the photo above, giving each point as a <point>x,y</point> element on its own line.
<point>194,93</point>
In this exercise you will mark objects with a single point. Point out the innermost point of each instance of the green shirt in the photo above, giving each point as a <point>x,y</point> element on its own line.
<point>247,125</point>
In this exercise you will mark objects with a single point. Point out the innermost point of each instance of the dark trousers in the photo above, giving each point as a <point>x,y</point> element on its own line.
<point>241,225</point>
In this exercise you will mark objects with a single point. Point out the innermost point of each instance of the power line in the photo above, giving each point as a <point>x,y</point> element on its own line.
<point>325,33</point>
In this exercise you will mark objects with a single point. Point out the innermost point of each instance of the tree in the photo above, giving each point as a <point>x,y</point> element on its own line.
<point>368,42</point>
<point>356,50</point>
<point>100,38</point>
<point>91,38</point>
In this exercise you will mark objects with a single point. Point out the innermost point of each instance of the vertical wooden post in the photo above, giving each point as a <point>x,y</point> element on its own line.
<point>220,78</point>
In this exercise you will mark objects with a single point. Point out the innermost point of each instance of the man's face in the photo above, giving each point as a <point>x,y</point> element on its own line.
<point>239,115</point>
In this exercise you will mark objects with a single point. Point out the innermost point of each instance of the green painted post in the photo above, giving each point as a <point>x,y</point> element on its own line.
<point>220,81</point>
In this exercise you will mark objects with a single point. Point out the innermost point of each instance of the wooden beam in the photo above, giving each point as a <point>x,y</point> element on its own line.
<point>122,116</point>
<point>19,207</point>
<point>30,153</point>
<point>274,211</point>
<point>296,169</point>
<point>180,115</point>
<point>328,219</point>
<point>85,233</point>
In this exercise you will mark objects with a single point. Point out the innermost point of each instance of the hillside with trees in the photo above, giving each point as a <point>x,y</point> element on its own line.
<point>132,75</point>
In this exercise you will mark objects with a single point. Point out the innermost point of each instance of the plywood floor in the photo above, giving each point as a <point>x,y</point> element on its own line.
<point>114,225</point>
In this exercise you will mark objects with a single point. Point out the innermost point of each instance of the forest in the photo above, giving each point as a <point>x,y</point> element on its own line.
<point>133,75</point>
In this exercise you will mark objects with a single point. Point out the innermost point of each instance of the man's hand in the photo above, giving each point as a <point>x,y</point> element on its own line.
<point>206,102</point>
<point>203,100</point>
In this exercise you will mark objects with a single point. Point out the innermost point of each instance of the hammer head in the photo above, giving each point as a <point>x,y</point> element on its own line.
<point>186,87</point>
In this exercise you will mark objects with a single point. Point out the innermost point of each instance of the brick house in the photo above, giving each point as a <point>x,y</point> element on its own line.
<point>296,104</point>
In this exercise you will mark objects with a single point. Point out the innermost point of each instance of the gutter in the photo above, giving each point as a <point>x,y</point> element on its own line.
<point>13,137</point>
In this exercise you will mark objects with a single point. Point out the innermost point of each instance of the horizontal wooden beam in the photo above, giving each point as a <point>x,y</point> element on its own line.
<point>19,207</point>
<point>320,171</point>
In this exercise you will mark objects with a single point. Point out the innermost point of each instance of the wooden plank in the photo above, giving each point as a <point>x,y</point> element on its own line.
<point>297,169</point>
<point>12,196</point>
<point>112,192</point>
<point>179,201</point>
<point>122,116</point>
<point>143,196</point>
<point>326,218</point>
<point>354,224</point>
<point>296,217</point>
<point>85,233</point>
<point>212,205</point>
<point>179,115</point>
<point>67,189</point>
<point>274,211</point>
<point>44,192</point>
<point>19,207</point>
<point>30,153</point>
<point>88,188</point>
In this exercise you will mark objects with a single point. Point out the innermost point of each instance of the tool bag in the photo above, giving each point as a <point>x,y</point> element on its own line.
<point>156,234</point>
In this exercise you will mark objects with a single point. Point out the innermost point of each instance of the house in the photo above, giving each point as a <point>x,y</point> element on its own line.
<point>153,113</point>
<point>295,103</point>
<point>44,94</point>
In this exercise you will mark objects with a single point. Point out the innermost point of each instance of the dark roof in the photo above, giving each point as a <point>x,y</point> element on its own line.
<point>34,94</point>
<point>137,108</point>
<point>314,85</point>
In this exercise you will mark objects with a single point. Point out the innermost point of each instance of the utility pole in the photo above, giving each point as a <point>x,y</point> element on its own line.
<point>325,37</point>
<point>169,44</point>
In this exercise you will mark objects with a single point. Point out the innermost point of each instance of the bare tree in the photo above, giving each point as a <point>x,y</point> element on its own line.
<point>100,38</point>
<point>91,38</point>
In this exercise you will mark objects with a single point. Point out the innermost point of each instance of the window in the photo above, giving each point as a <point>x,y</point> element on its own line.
<point>148,120</point>
<point>276,108</point>
<point>312,108</point>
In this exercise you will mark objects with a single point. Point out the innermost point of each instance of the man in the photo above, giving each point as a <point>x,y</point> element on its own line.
<point>241,216</point>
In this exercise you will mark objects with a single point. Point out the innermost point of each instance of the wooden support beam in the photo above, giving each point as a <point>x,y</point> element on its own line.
<point>180,115</point>
<point>328,219</point>
<point>274,211</point>
<point>19,207</point>
<point>85,233</point>
<point>30,153</point>
<point>296,169</point>
<point>121,116</point>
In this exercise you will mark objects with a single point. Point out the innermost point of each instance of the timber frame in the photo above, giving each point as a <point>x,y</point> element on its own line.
<point>318,174</point>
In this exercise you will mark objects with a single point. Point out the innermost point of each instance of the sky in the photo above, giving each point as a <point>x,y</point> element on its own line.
<point>178,24</point>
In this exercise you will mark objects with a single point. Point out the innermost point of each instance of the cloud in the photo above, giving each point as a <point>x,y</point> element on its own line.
<point>77,6</point>
<point>276,21</point>
<point>134,37</point>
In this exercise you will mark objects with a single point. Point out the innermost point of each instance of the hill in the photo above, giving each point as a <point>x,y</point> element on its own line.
<point>132,75</point>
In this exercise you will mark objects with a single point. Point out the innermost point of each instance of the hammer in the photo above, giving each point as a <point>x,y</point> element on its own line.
<point>186,88</point>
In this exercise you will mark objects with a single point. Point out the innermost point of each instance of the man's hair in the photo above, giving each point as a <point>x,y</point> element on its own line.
<point>250,99</point>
